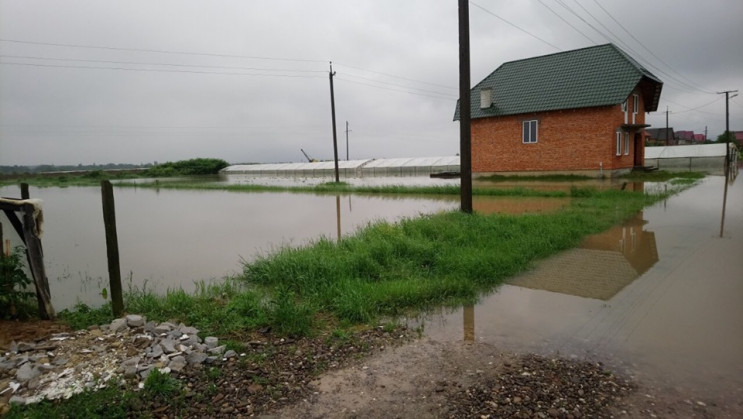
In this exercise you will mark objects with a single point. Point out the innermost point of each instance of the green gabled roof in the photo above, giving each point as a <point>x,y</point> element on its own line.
<point>595,76</point>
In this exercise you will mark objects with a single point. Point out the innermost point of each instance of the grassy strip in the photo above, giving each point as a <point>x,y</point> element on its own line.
<point>446,258</point>
<point>662,176</point>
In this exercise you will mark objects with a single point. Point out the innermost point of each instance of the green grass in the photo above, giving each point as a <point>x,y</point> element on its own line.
<point>662,176</point>
<point>447,258</point>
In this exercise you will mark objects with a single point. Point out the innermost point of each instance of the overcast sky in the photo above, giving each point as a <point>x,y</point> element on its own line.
<point>247,81</point>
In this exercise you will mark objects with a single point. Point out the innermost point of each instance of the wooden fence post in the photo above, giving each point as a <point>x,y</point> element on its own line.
<point>112,248</point>
<point>24,191</point>
<point>35,256</point>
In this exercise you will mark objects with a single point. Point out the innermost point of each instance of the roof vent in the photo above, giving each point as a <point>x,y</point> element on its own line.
<point>486,98</point>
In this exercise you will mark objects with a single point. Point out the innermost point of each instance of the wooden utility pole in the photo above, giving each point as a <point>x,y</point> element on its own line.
<point>465,130</point>
<point>112,248</point>
<point>347,131</point>
<point>727,154</point>
<point>668,140</point>
<point>335,136</point>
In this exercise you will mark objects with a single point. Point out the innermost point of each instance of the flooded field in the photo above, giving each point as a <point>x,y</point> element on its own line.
<point>175,238</point>
<point>170,239</point>
<point>659,297</point>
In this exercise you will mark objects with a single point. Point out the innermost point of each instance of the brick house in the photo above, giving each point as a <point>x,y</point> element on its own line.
<point>685,137</point>
<point>580,111</point>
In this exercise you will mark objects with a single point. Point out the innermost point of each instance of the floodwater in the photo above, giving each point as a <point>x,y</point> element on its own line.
<point>173,238</point>
<point>660,297</point>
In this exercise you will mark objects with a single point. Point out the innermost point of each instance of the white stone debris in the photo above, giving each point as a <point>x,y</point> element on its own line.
<point>128,348</point>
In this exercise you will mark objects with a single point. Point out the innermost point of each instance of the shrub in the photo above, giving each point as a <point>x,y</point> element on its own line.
<point>15,299</point>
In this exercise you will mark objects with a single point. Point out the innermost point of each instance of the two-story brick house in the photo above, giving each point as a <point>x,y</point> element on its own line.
<point>579,112</point>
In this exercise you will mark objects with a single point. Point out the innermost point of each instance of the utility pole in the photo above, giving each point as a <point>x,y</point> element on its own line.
<point>465,129</point>
<point>727,153</point>
<point>705,133</point>
<point>347,131</point>
<point>332,110</point>
<point>668,140</point>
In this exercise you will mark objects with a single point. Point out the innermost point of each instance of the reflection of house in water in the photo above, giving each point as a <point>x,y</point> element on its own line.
<point>517,205</point>
<point>601,267</point>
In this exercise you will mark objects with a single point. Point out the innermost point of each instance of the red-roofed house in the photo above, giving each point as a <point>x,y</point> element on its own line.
<point>685,137</point>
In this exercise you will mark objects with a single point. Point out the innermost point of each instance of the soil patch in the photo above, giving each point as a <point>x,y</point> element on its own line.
<point>28,331</point>
<point>432,379</point>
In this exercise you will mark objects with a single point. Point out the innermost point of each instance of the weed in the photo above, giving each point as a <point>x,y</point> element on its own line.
<point>290,316</point>
<point>82,316</point>
<point>213,373</point>
<point>161,385</point>
<point>15,300</point>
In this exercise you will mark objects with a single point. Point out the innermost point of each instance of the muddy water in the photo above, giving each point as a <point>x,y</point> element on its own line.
<point>170,239</point>
<point>660,297</point>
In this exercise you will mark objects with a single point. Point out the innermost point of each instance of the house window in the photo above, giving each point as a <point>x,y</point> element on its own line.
<point>626,143</point>
<point>624,109</point>
<point>530,132</point>
<point>619,143</point>
<point>635,103</point>
<point>635,107</point>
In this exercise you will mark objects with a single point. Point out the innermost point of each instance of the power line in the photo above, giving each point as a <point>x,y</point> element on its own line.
<point>395,76</point>
<point>399,85</point>
<point>340,78</point>
<point>152,70</point>
<point>514,25</point>
<point>643,45</point>
<point>159,51</point>
<point>102,47</point>
<point>696,108</point>
<point>618,40</point>
<point>156,64</point>
<point>567,22</point>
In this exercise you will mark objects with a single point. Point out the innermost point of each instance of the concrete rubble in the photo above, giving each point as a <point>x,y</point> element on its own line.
<point>128,348</point>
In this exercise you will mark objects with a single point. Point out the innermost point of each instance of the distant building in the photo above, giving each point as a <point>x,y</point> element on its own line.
<point>580,111</point>
<point>684,137</point>
<point>660,136</point>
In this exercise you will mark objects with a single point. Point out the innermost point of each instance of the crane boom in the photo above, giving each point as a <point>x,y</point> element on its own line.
<point>309,159</point>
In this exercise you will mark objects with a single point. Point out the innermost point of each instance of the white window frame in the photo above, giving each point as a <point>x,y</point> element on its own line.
<point>626,143</point>
<point>635,107</point>
<point>619,143</point>
<point>635,103</point>
<point>526,131</point>
<point>625,110</point>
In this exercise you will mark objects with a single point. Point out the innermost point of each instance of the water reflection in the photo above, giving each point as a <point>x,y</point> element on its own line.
<point>468,323</point>
<point>672,317</point>
<point>517,205</point>
<point>600,267</point>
